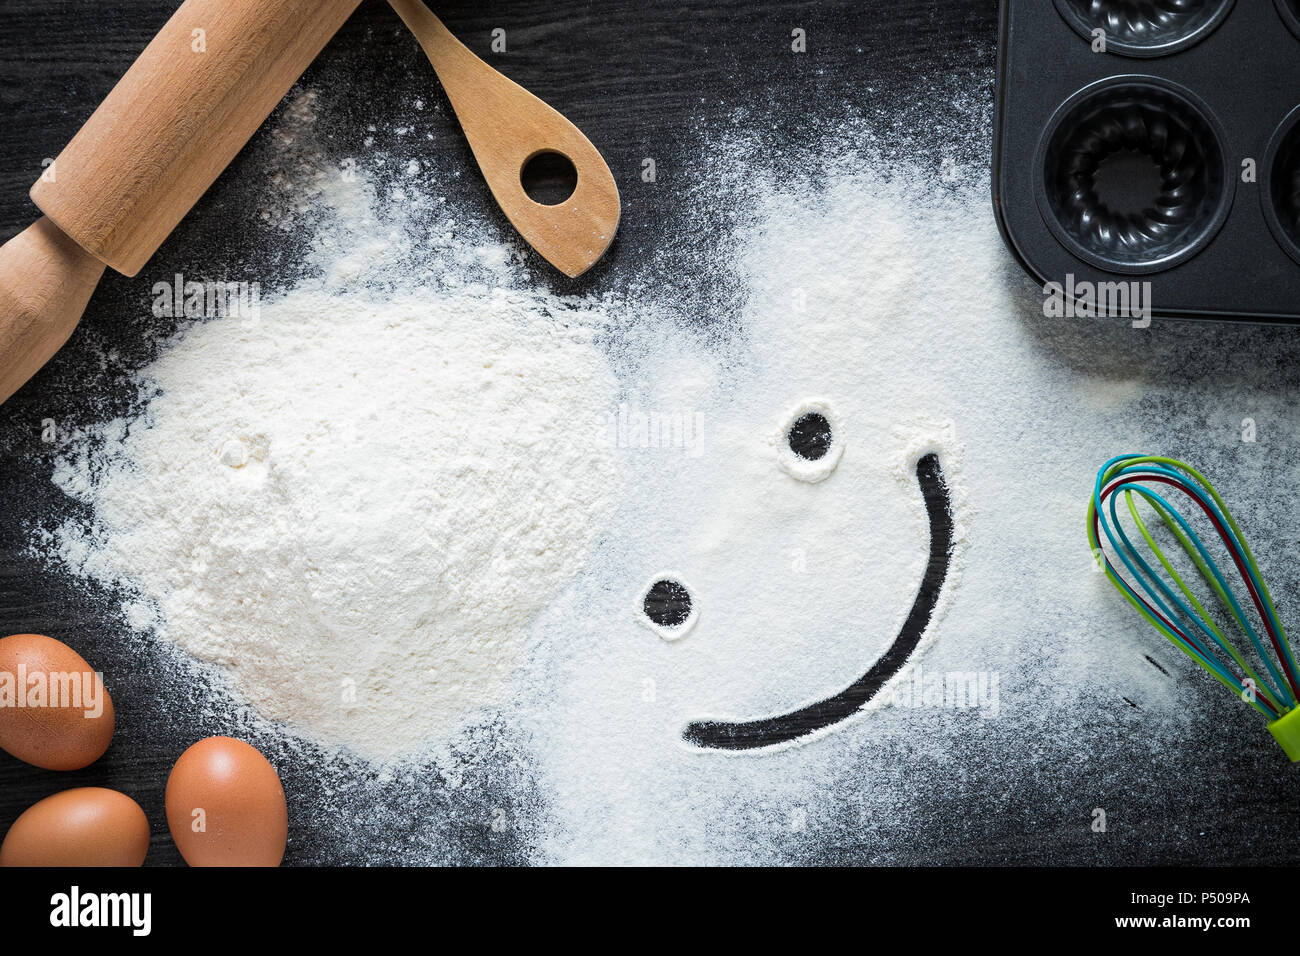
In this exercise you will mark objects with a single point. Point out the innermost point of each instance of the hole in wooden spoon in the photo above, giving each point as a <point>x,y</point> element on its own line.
<point>549,178</point>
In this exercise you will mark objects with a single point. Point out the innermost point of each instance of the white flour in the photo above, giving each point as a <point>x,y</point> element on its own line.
<point>357,503</point>
<point>356,507</point>
<point>876,285</point>
<point>885,291</point>
<point>802,576</point>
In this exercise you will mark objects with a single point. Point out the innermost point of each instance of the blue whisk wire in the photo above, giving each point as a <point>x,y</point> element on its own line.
<point>1164,609</point>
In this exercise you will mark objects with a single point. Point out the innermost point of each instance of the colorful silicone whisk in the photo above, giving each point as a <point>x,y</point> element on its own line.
<point>1163,596</point>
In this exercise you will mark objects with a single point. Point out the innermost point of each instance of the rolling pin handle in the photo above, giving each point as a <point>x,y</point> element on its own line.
<point>46,280</point>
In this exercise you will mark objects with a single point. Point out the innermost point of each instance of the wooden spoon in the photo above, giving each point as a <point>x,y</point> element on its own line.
<point>507,127</point>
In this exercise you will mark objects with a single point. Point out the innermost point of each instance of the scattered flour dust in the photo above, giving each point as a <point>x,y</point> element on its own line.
<point>801,577</point>
<point>394,489</point>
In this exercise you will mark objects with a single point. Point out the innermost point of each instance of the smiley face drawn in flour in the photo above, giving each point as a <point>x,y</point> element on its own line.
<point>811,446</point>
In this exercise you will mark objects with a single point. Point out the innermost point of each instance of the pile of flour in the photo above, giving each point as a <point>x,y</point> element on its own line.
<point>356,501</point>
<point>355,506</point>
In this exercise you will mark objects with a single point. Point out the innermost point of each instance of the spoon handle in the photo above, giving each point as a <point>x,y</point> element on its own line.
<point>507,126</point>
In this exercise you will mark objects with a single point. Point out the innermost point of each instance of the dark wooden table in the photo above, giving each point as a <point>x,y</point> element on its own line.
<point>638,77</point>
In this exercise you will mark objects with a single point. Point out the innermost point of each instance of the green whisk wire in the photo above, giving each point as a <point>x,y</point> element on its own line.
<point>1260,685</point>
<point>1166,611</point>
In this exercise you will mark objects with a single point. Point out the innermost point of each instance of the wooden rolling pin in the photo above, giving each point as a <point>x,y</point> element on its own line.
<point>177,118</point>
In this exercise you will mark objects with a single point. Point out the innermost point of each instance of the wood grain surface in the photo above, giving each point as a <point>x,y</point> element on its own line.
<point>641,79</point>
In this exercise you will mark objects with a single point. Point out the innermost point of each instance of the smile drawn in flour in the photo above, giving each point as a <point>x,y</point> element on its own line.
<point>807,720</point>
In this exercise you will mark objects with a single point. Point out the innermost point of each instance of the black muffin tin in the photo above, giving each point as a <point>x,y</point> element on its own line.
<point>1129,165</point>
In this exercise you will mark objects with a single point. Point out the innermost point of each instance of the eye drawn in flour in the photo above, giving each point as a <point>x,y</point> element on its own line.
<point>667,607</point>
<point>810,441</point>
<point>809,446</point>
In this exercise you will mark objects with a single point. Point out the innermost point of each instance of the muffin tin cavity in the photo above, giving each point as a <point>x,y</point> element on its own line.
<point>1175,177</point>
<point>1281,192</point>
<point>1145,27</point>
<point>1132,174</point>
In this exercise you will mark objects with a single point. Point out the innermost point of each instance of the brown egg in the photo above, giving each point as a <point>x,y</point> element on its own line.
<point>225,806</point>
<point>88,826</point>
<point>54,710</point>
